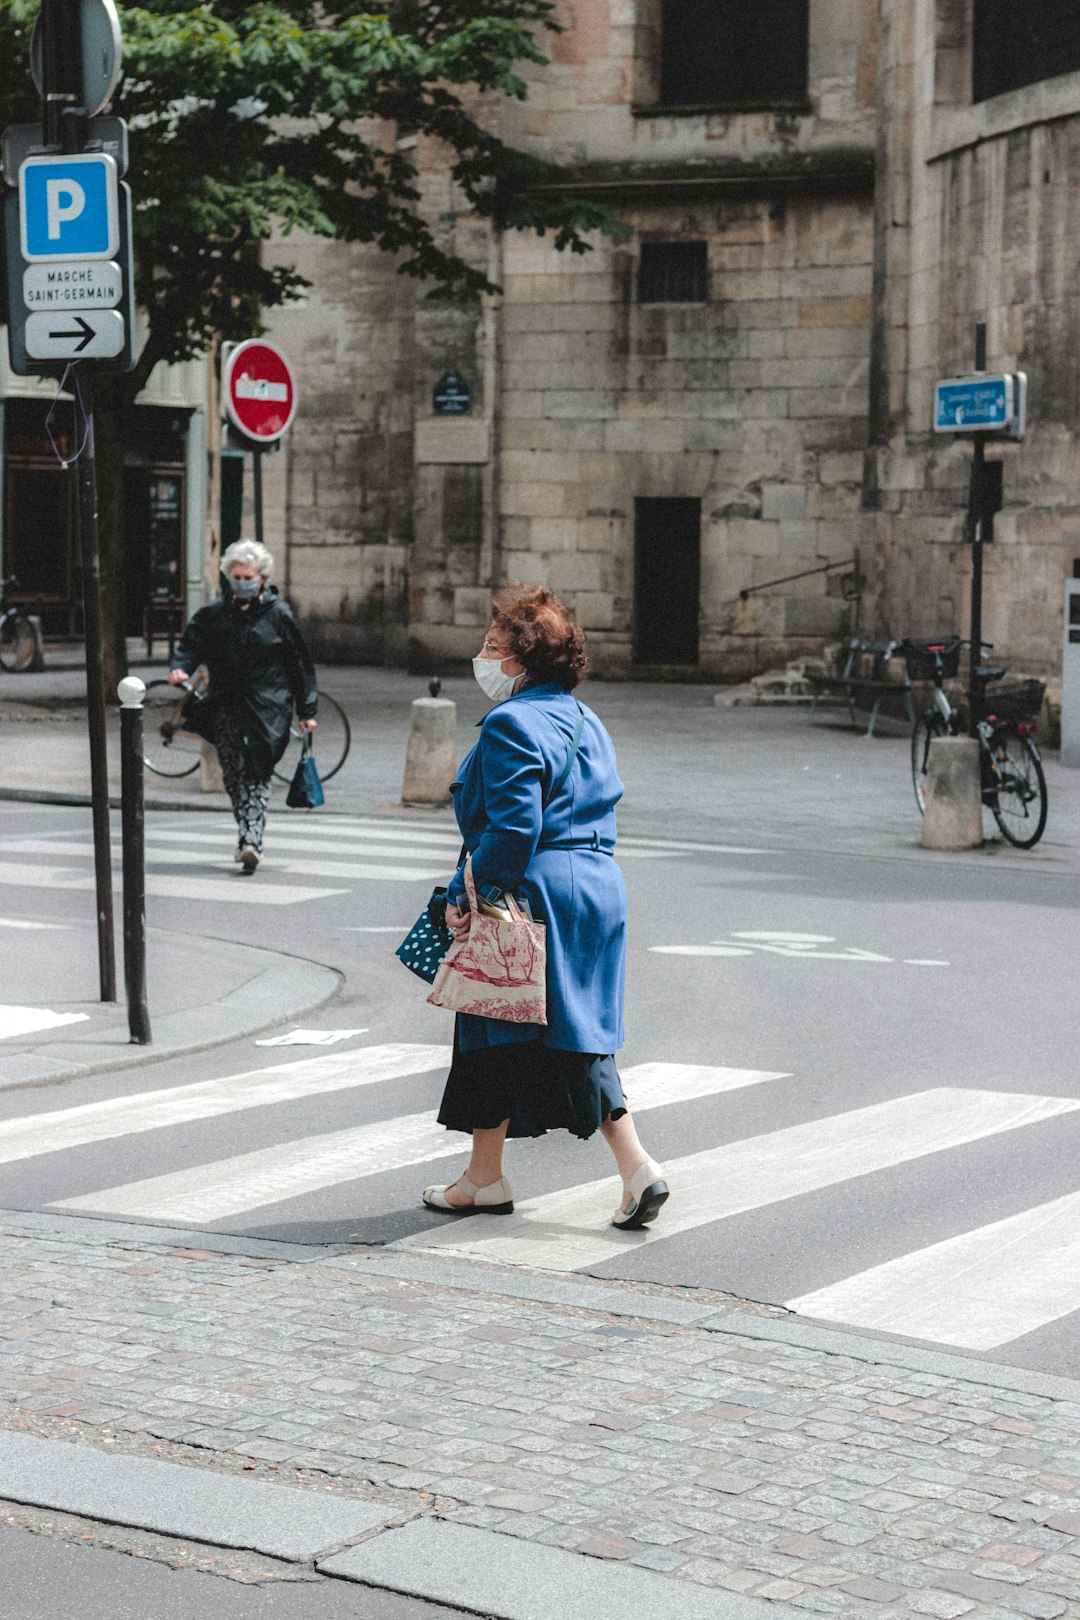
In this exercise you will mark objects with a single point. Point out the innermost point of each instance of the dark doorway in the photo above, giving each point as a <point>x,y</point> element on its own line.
<point>667,580</point>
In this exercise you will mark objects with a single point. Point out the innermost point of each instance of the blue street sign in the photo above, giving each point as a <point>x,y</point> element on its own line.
<point>979,404</point>
<point>69,207</point>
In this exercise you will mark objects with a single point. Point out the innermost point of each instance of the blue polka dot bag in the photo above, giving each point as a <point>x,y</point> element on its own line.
<point>428,940</point>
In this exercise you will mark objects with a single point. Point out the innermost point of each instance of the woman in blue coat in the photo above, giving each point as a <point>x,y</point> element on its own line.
<point>546,834</point>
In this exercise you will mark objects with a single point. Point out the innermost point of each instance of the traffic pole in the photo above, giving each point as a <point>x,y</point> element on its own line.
<point>257,489</point>
<point>131,692</point>
<point>93,635</point>
<point>976,515</point>
<point>64,121</point>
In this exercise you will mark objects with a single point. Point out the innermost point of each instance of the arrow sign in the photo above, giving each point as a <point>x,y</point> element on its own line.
<point>97,335</point>
<point>83,334</point>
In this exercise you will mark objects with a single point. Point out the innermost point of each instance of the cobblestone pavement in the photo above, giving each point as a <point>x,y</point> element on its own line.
<point>838,1483</point>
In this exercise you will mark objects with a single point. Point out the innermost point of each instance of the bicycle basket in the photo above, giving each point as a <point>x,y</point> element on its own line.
<point>919,656</point>
<point>1021,701</point>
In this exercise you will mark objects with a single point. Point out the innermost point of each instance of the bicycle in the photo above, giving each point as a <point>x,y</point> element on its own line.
<point>1011,774</point>
<point>172,747</point>
<point>18,639</point>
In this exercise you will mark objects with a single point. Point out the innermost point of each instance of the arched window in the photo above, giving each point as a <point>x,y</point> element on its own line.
<point>1015,43</point>
<point>733,53</point>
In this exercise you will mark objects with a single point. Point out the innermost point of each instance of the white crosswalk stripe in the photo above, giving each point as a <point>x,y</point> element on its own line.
<point>213,1192</point>
<point>565,1230</point>
<point>978,1290</point>
<point>974,1290</point>
<point>343,850</point>
<point>65,1128</point>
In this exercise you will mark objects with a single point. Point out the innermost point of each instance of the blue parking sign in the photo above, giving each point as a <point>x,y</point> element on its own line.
<point>69,207</point>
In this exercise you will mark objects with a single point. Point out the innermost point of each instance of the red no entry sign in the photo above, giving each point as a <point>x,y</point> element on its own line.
<point>259,390</point>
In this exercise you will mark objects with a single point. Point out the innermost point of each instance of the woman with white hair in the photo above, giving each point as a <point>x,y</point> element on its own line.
<point>259,668</point>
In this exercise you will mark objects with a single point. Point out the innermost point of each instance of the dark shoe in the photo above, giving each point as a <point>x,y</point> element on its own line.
<point>249,859</point>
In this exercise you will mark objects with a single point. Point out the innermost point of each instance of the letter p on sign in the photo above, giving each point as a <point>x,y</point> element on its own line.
<point>65,200</point>
<point>69,207</point>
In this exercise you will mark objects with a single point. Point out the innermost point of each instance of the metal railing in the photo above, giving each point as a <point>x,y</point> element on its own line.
<point>851,586</point>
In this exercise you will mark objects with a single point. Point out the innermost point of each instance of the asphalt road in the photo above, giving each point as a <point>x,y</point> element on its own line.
<point>899,1151</point>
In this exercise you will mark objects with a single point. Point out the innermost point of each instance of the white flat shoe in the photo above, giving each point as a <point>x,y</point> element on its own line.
<point>648,1191</point>
<point>498,1199</point>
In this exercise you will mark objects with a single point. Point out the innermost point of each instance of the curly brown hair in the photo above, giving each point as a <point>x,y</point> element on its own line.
<point>541,633</point>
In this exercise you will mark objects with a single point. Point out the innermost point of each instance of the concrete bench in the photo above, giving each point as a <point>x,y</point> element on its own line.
<point>864,679</point>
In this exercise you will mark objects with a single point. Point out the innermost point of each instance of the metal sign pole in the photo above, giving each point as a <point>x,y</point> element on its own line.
<point>257,484</point>
<point>61,86</point>
<point>976,514</point>
<point>95,678</point>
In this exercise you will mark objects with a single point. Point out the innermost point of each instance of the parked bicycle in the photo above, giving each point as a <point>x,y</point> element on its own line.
<point>172,742</point>
<point>18,640</point>
<point>1011,773</point>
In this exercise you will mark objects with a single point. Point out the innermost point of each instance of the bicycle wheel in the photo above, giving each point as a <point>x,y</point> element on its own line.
<point>1019,802</point>
<point>168,750</point>
<point>332,738</point>
<point>16,642</point>
<point>926,728</point>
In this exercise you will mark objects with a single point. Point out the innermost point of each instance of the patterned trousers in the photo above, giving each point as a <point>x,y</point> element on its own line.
<point>250,794</point>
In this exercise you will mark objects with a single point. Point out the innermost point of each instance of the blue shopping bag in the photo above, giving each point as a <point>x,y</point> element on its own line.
<point>305,789</point>
<point>428,940</point>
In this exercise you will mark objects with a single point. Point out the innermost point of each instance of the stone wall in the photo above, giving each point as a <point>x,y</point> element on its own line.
<point>978,218</point>
<point>584,398</point>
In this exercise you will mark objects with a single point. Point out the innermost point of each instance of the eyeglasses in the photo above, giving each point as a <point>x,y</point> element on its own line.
<point>496,647</point>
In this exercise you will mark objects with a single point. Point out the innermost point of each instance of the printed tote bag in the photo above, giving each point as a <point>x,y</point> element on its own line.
<point>497,970</point>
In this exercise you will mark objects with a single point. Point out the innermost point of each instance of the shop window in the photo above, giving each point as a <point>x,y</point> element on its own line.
<point>673,273</point>
<point>1016,44</point>
<point>733,53</point>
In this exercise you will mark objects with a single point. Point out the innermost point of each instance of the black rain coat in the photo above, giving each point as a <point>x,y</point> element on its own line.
<point>259,668</point>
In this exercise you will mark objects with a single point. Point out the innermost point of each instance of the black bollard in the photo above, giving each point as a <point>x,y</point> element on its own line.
<point>132,816</point>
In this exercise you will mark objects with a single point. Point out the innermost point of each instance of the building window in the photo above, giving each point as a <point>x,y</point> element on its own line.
<point>1016,44</point>
<point>733,53</point>
<point>673,273</point>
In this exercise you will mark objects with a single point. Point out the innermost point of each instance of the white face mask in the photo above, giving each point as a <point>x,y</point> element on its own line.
<point>491,680</point>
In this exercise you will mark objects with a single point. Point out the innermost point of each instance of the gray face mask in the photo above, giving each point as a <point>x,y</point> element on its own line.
<point>246,589</point>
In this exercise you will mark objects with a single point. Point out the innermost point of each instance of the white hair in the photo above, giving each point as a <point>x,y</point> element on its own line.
<point>251,554</point>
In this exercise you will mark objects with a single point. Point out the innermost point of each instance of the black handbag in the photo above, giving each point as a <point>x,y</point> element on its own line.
<point>197,715</point>
<point>305,789</point>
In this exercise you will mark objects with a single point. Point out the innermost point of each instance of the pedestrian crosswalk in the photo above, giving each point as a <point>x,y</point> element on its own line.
<point>190,858</point>
<point>976,1289</point>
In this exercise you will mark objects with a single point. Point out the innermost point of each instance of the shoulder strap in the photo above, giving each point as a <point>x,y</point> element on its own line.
<point>560,780</point>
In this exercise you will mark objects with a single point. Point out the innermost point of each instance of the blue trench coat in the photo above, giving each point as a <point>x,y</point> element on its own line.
<point>558,858</point>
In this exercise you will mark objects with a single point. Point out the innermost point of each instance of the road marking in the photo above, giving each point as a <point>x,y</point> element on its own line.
<point>788,939</point>
<point>326,840</point>
<point>699,950</point>
<point>191,857</point>
<point>692,848</point>
<point>978,1290</point>
<point>19,922</point>
<point>789,945</point>
<point>28,1020</point>
<point>923,961</point>
<point>231,888</point>
<point>212,1192</point>
<point>65,1128</point>
<point>566,1230</point>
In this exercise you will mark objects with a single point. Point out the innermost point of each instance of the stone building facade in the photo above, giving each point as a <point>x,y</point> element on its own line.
<point>977,219</point>
<point>656,425</point>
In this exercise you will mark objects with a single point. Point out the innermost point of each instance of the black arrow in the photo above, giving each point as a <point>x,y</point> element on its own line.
<point>85,335</point>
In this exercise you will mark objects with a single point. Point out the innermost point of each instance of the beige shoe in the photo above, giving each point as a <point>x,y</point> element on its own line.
<point>498,1199</point>
<point>648,1191</point>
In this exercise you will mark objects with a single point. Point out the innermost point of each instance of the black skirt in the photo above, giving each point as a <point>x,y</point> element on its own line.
<point>535,1087</point>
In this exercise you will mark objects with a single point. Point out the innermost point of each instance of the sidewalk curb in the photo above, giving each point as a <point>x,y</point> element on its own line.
<point>281,988</point>
<point>675,1307</point>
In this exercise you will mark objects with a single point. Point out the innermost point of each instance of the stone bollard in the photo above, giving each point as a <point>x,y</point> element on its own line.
<point>953,818</point>
<point>431,756</point>
<point>210,777</point>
